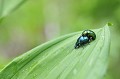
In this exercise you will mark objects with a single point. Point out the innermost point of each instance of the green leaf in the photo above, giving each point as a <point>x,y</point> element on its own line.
<point>57,59</point>
<point>8,6</point>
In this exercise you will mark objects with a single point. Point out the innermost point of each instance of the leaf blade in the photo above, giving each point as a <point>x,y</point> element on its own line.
<point>58,59</point>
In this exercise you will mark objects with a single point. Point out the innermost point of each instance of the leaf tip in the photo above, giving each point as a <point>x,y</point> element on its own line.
<point>110,24</point>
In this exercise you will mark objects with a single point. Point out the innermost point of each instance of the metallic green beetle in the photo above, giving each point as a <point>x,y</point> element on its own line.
<point>90,34</point>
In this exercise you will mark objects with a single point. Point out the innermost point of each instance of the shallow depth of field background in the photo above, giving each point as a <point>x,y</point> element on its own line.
<point>38,21</point>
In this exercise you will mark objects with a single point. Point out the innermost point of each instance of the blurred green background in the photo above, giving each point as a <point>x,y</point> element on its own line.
<point>38,21</point>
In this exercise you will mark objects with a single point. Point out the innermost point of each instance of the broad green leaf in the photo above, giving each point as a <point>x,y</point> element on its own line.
<point>7,6</point>
<point>57,59</point>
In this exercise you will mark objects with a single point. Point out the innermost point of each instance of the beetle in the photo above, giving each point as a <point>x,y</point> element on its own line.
<point>81,41</point>
<point>90,34</point>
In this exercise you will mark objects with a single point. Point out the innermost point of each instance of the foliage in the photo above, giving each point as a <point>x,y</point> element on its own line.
<point>6,7</point>
<point>38,21</point>
<point>58,59</point>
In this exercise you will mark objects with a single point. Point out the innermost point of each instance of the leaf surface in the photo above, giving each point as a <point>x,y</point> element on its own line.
<point>57,59</point>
